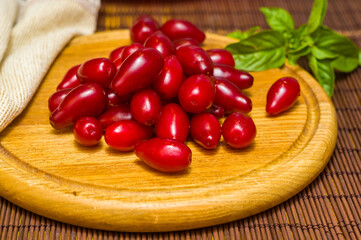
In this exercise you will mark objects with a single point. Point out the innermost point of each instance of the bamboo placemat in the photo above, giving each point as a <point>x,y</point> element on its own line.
<point>329,208</point>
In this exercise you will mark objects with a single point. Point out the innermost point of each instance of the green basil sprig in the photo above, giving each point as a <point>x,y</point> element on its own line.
<point>325,49</point>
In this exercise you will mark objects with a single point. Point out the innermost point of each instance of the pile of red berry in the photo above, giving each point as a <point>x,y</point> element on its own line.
<point>164,82</point>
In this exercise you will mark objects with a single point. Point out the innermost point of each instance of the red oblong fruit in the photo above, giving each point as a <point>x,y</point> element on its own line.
<point>169,80</point>
<point>238,130</point>
<point>115,114</point>
<point>145,107</point>
<point>86,100</point>
<point>70,80</point>
<point>116,53</point>
<point>164,155</point>
<point>97,70</point>
<point>160,42</point>
<point>138,71</point>
<point>194,60</point>
<point>205,130</point>
<point>230,97</point>
<point>176,29</point>
<point>185,41</point>
<point>221,56</point>
<point>173,123</point>
<point>197,93</point>
<point>125,134</point>
<point>142,28</point>
<point>56,98</point>
<point>87,131</point>
<point>129,50</point>
<point>242,79</point>
<point>282,95</point>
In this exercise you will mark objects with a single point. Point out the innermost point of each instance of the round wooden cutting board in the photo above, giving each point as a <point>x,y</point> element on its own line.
<point>47,172</point>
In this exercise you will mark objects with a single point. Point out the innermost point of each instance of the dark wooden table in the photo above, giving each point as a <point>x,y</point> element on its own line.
<point>329,208</point>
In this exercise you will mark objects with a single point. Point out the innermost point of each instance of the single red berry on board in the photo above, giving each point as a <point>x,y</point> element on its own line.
<point>165,155</point>
<point>173,123</point>
<point>115,114</point>
<point>240,78</point>
<point>238,130</point>
<point>86,100</point>
<point>205,130</point>
<point>87,131</point>
<point>169,80</point>
<point>194,60</point>
<point>176,29</point>
<point>146,106</point>
<point>97,70</point>
<point>56,98</point>
<point>221,56</point>
<point>197,93</point>
<point>123,135</point>
<point>70,80</point>
<point>282,95</point>
<point>142,28</point>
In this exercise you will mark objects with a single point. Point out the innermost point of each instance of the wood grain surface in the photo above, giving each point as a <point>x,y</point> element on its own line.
<point>47,172</point>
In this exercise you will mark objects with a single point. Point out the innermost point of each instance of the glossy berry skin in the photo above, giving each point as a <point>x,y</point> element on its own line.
<point>146,106</point>
<point>70,80</point>
<point>129,50</point>
<point>282,95</point>
<point>230,97</point>
<point>185,41</point>
<point>194,60</point>
<point>142,28</point>
<point>123,135</point>
<point>138,71</point>
<point>97,70</point>
<point>238,130</point>
<point>115,114</point>
<point>217,111</point>
<point>116,53</point>
<point>176,29</point>
<point>86,100</point>
<point>164,155</point>
<point>169,80</point>
<point>87,131</point>
<point>197,93</point>
<point>118,62</point>
<point>205,130</point>
<point>221,56</point>
<point>160,42</point>
<point>56,98</point>
<point>242,79</point>
<point>173,123</point>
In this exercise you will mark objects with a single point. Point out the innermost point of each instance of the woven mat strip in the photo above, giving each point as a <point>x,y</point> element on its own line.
<point>330,208</point>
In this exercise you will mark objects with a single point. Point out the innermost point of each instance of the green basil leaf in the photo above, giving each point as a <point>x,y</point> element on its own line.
<point>321,53</point>
<point>323,72</point>
<point>329,44</point>
<point>242,35</point>
<point>236,34</point>
<point>317,15</point>
<point>359,58</point>
<point>294,56</point>
<point>278,19</point>
<point>261,51</point>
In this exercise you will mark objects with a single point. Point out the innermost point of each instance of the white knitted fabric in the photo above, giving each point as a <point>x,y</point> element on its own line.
<point>32,33</point>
